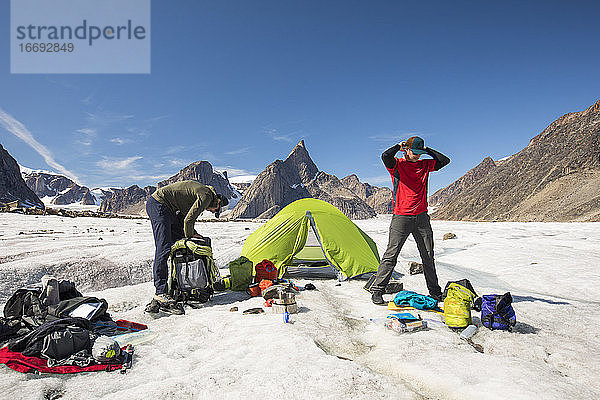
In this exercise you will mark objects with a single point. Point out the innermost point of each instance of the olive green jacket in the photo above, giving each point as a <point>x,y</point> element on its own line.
<point>189,198</point>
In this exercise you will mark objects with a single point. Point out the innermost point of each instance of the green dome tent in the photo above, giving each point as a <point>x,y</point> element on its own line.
<point>340,246</point>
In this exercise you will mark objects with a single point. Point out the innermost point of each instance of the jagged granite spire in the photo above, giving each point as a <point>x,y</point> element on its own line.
<point>298,162</point>
<point>12,185</point>
<point>277,186</point>
<point>297,177</point>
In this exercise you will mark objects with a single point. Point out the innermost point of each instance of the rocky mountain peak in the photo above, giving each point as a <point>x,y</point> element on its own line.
<point>130,200</point>
<point>351,179</point>
<point>12,185</point>
<point>594,108</point>
<point>378,198</point>
<point>202,171</point>
<point>297,177</point>
<point>555,178</point>
<point>299,147</point>
<point>486,162</point>
<point>62,189</point>
<point>298,162</point>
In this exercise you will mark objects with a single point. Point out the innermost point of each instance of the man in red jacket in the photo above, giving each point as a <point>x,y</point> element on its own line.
<point>409,176</point>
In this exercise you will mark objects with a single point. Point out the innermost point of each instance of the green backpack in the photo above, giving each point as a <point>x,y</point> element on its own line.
<point>241,274</point>
<point>457,305</point>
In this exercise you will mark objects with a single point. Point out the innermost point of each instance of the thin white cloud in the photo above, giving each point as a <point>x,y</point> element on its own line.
<point>148,177</point>
<point>179,162</point>
<point>112,163</point>
<point>85,142</point>
<point>107,117</point>
<point>120,141</point>
<point>87,131</point>
<point>88,100</point>
<point>275,134</point>
<point>138,131</point>
<point>86,136</point>
<point>64,85</point>
<point>18,129</point>
<point>174,149</point>
<point>242,178</point>
<point>239,151</point>
<point>154,119</point>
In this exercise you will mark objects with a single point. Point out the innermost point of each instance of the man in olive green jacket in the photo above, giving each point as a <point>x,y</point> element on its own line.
<point>173,210</point>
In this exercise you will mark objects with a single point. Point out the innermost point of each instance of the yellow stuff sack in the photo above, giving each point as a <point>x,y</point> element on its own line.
<point>457,306</point>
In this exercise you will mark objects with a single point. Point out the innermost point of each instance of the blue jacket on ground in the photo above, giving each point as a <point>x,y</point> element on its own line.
<point>415,300</point>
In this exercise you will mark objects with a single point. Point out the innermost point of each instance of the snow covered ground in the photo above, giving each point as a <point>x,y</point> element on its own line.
<point>331,350</point>
<point>73,206</point>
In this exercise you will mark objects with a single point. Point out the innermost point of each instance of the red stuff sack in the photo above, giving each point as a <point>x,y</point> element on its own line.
<point>265,270</point>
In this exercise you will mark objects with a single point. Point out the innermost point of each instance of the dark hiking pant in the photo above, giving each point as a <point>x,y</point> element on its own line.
<point>402,226</point>
<point>167,229</point>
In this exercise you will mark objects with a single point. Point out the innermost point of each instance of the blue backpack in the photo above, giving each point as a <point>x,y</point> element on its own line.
<point>497,312</point>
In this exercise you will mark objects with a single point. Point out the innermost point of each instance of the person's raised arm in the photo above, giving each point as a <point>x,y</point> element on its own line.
<point>440,160</point>
<point>389,156</point>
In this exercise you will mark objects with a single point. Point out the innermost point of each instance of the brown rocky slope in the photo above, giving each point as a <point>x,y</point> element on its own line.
<point>555,178</point>
<point>378,198</point>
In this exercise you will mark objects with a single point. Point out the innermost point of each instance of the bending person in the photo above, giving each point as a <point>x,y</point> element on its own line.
<point>173,210</point>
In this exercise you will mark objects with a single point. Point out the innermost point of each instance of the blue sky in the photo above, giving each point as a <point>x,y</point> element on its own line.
<point>239,83</point>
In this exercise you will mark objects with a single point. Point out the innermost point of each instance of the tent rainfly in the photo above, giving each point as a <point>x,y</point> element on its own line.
<point>341,248</point>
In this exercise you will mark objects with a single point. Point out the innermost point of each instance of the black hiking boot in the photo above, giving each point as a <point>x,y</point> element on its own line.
<point>164,303</point>
<point>437,297</point>
<point>153,307</point>
<point>377,298</point>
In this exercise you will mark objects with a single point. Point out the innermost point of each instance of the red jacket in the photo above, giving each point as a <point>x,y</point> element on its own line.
<point>410,186</point>
<point>410,180</point>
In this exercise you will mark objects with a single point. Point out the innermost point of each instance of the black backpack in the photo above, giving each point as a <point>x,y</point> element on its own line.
<point>64,308</point>
<point>57,339</point>
<point>26,306</point>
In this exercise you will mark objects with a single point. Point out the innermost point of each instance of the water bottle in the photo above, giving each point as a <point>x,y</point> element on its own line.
<point>468,332</point>
<point>286,317</point>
